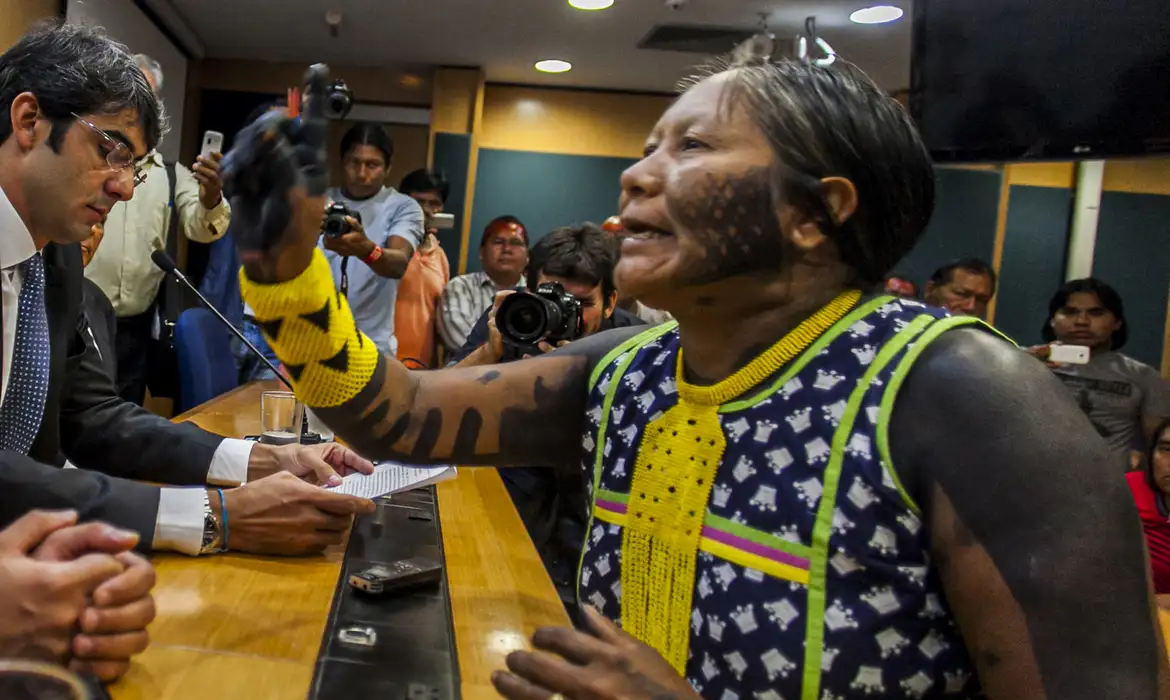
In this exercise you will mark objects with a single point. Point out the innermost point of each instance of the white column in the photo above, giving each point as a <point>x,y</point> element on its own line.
<point>1086,211</point>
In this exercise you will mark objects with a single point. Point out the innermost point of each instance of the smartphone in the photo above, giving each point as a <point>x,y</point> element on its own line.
<point>443,222</point>
<point>405,573</point>
<point>1068,354</point>
<point>212,143</point>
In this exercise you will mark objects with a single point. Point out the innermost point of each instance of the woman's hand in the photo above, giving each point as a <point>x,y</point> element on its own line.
<point>607,665</point>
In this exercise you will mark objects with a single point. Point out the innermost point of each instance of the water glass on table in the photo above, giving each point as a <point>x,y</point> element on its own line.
<point>281,418</point>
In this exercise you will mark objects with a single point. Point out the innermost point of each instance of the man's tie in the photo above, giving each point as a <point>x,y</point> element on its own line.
<point>28,383</point>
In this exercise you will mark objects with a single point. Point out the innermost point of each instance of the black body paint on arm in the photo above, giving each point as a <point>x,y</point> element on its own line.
<point>524,413</point>
<point>1036,536</point>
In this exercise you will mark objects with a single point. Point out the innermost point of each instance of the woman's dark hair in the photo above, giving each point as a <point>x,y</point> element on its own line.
<point>1153,447</point>
<point>1108,297</point>
<point>835,122</point>
<point>423,180</point>
<point>582,253</point>
<point>368,134</point>
<point>74,69</point>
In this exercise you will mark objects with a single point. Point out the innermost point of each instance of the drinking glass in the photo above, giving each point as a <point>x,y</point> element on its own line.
<point>281,418</point>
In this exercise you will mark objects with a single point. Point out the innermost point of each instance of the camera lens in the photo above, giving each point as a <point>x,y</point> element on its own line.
<point>523,318</point>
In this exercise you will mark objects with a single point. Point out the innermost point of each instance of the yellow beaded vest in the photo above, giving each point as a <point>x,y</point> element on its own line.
<point>678,457</point>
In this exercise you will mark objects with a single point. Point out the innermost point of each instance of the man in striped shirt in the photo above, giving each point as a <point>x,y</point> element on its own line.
<point>503,254</point>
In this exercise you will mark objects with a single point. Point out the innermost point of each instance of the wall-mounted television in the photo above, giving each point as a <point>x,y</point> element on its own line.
<point>1006,80</point>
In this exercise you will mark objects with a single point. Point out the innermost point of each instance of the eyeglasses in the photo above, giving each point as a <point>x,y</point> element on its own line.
<point>118,154</point>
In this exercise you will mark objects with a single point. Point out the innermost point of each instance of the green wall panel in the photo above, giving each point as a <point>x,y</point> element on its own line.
<point>1133,255</point>
<point>544,190</point>
<point>453,159</point>
<point>1035,249</point>
<point>963,224</point>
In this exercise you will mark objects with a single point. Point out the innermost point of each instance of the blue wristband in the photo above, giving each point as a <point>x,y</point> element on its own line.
<point>223,516</point>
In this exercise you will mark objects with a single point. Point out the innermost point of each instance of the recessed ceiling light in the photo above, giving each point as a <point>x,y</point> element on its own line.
<point>591,4</point>
<point>553,65</point>
<point>878,14</point>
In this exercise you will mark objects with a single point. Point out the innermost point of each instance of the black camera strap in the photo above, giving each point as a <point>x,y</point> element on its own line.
<point>345,277</point>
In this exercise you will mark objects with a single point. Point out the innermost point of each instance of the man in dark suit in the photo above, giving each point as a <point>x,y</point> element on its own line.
<point>103,323</point>
<point>77,117</point>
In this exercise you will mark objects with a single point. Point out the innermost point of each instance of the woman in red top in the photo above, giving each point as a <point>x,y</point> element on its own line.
<point>1151,487</point>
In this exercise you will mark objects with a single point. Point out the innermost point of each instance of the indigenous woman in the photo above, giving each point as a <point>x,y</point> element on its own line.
<point>800,491</point>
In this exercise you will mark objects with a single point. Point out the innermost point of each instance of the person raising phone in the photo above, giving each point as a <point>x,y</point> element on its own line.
<point>799,490</point>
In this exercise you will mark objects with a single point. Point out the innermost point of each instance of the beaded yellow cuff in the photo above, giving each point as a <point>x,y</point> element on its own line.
<point>310,327</point>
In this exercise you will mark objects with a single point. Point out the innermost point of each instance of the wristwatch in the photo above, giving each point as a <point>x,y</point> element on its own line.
<point>374,255</point>
<point>212,532</point>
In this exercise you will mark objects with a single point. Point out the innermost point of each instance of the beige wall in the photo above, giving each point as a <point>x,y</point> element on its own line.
<point>574,122</point>
<point>16,16</point>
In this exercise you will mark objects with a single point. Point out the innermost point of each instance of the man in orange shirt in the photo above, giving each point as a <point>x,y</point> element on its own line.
<point>427,274</point>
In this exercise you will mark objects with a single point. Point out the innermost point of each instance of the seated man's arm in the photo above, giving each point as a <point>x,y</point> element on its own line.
<point>26,485</point>
<point>1032,527</point>
<point>103,433</point>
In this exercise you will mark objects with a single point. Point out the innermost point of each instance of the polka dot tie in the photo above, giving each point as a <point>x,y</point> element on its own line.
<point>28,383</point>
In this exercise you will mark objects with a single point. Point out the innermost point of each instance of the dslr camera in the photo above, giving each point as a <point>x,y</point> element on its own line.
<point>338,99</point>
<point>549,313</point>
<point>335,224</point>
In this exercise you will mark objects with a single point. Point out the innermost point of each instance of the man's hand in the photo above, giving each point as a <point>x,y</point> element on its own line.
<point>495,343</point>
<point>113,626</point>
<point>322,465</point>
<point>353,243</point>
<point>609,665</point>
<point>281,514</point>
<point>206,171</point>
<point>41,600</point>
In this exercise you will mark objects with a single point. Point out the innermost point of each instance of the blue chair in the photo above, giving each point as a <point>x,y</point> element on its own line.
<point>207,366</point>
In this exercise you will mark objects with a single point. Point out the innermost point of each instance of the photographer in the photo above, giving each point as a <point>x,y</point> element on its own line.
<point>370,232</point>
<point>581,259</point>
<point>552,502</point>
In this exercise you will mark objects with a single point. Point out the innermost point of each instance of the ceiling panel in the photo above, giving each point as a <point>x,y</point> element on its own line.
<point>507,36</point>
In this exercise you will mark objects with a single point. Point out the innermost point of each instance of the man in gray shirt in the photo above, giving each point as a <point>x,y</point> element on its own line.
<point>372,257</point>
<point>1125,399</point>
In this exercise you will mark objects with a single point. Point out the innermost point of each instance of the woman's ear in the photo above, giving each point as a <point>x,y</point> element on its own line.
<point>840,198</point>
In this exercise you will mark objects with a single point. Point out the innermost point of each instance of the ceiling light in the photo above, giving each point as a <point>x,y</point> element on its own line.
<point>878,14</point>
<point>553,65</point>
<point>590,4</point>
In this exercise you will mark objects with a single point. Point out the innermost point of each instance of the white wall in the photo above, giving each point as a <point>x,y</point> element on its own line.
<point>125,23</point>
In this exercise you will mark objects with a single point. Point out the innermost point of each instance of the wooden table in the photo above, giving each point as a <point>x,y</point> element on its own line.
<point>237,626</point>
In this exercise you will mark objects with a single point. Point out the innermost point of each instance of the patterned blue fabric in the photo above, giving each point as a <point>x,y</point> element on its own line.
<point>887,630</point>
<point>28,382</point>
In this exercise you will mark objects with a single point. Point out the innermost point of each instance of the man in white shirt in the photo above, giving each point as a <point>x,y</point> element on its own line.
<point>503,253</point>
<point>135,229</point>
<point>68,152</point>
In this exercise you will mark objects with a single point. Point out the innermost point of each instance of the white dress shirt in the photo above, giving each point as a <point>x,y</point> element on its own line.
<point>122,266</point>
<point>179,525</point>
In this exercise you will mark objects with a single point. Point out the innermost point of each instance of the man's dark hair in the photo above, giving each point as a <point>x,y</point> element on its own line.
<point>263,109</point>
<point>583,253</point>
<point>74,69</point>
<point>368,134</point>
<point>975,266</point>
<point>835,122</point>
<point>500,222</point>
<point>1108,297</point>
<point>423,180</point>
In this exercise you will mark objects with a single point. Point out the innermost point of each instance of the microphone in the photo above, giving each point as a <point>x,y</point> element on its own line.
<point>164,263</point>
